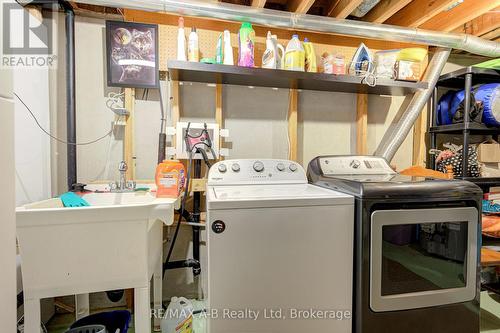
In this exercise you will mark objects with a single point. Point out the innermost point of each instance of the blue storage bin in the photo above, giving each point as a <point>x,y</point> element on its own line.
<point>112,320</point>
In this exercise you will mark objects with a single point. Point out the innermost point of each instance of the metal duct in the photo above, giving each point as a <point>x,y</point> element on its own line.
<point>287,20</point>
<point>394,137</point>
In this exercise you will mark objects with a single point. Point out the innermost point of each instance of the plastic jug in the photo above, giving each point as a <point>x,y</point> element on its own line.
<point>294,55</point>
<point>271,57</point>
<point>170,179</point>
<point>178,317</point>
<point>310,62</point>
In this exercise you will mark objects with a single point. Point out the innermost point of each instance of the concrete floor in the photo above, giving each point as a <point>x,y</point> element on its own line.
<point>490,317</point>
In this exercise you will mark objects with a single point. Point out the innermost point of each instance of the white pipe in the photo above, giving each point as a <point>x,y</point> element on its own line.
<point>287,20</point>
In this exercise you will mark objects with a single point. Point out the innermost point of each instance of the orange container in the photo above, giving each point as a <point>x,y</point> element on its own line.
<point>170,178</point>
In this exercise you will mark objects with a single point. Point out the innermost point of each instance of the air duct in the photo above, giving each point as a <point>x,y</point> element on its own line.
<point>395,136</point>
<point>305,22</point>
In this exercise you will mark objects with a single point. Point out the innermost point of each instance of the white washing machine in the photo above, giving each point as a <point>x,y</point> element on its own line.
<point>280,251</point>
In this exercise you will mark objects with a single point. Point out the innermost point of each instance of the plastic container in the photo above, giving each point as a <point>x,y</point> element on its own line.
<point>272,58</point>
<point>181,41</point>
<point>246,37</point>
<point>178,317</point>
<point>219,53</point>
<point>228,50</point>
<point>193,47</point>
<point>170,179</point>
<point>295,56</point>
<point>88,329</point>
<point>310,60</point>
<point>111,320</point>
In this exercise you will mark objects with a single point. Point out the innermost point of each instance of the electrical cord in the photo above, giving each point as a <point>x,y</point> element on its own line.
<point>183,206</point>
<point>56,138</point>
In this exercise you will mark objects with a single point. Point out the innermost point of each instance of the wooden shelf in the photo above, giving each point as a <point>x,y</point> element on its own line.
<point>275,78</point>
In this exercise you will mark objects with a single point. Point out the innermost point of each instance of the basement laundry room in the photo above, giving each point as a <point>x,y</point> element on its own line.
<point>250,166</point>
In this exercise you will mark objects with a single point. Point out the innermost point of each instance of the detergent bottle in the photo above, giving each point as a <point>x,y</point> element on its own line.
<point>181,41</point>
<point>271,57</point>
<point>170,179</point>
<point>178,317</point>
<point>246,38</point>
<point>294,55</point>
<point>310,63</point>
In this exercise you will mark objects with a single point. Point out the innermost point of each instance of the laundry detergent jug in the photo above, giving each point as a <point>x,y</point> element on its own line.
<point>295,56</point>
<point>178,317</point>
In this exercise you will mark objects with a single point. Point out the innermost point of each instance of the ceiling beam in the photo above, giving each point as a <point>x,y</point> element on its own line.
<point>258,3</point>
<point>459,15</point>
<point>341,9</point>
<point>384,9</point>
<point>418,12</point>
<point>482,24</point>
<point>300,6</point>
<point>492,35</point>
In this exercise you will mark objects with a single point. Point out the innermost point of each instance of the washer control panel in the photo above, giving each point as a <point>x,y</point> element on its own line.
<point>354,165</point>
<point>258,171</point>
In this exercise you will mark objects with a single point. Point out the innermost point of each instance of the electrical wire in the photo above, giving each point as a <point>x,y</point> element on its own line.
<point>56,138</point>
<point>183,206</point>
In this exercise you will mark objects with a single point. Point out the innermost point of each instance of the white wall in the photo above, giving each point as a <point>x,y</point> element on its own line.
<point>7,204</point>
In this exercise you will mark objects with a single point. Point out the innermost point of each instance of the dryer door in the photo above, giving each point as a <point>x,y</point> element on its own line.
<point>423,257</point>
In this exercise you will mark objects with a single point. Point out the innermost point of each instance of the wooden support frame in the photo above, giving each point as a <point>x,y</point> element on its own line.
<point>342,8</point>
<point>128,141</point>
<point>384,10</point>
<point>418,12</point>
<point>219,115</point>
<point>361,124</point>
<point>293,100</point>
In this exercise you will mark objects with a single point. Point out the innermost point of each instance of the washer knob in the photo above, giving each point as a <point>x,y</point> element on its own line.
<point>258,166</point>
<point>280,166</point>
<point>222,168</point>
<point>235,167</point>
<point>355,164</point>
<point>293,167</point>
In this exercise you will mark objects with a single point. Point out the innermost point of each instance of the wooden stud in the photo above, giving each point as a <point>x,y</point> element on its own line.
<point>419,146</point>
<point>175,109</point>
<point>219,116</point>
<point>384,9</point>
<point>258,3</point>
<point>128,142</point>
<point>300,6</point>
<point>492,35</point>
<point>292,123</point>
<point>459,15</point>
<point>418,12</point>
<point>482,24</point>
<point>361,124</point>
<point>343,8</point>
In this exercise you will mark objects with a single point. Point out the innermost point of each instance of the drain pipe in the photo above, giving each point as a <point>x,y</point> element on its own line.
<point>286,20</point>
<point>70,93</point>
<point>393,138</point>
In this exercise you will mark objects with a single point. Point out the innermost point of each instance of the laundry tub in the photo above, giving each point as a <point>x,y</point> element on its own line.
<point>115,243</point>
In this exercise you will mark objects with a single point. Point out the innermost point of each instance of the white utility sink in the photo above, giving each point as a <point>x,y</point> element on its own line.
<point>115,243</point>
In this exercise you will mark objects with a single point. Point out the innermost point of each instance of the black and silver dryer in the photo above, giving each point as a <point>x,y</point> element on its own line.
<point>416,250</point>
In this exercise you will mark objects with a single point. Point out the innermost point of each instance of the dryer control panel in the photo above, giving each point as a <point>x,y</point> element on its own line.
<point>258,171</point>
<point>354,165</point>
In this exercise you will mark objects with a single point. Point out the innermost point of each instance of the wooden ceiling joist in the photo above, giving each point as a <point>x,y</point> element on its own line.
<point>341,9</point>
<point>258,3</point>
<point>492,35</point>
<point>482,24</point>
<point>418,12</point>
<point>384,10</point>
<point>459,15</point>
<point>300,6</point>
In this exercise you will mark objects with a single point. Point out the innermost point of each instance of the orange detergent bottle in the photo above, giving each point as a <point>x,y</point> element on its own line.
<point>170,178</point>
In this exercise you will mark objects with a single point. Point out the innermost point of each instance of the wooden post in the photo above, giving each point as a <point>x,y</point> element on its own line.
<point>292,123</point>
<point>419,131</point>
<point>176,114</point>
<point>128,142</point>
<point>219,116</point>
<point>361,124</point>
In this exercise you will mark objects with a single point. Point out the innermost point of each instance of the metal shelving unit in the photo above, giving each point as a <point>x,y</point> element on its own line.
<point>464,78</point>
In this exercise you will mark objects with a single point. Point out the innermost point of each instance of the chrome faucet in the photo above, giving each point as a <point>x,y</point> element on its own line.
<point>123,185</point>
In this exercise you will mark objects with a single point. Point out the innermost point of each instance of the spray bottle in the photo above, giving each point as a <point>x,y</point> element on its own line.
<point>228,49</point>
<point>181,41</point>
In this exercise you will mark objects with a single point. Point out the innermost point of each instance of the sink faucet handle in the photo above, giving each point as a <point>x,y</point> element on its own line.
<point>123,167</point>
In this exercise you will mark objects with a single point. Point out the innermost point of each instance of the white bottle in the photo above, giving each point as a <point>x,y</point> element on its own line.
<point>228,49</point>
<point>269,57</point>
<point>193,48</point>
<point>181,41</point>
<point>178,317</point>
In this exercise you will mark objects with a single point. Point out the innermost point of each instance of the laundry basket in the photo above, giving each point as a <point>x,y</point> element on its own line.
<point>88,329</point>
<point>112,321</point>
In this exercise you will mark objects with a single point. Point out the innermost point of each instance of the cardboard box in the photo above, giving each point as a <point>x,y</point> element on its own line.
<point>489,152</point>
<point>408,70</point>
